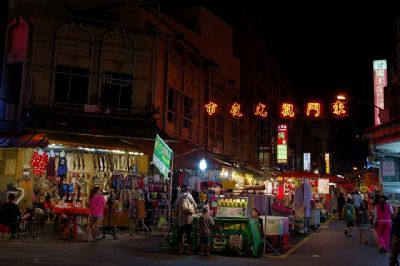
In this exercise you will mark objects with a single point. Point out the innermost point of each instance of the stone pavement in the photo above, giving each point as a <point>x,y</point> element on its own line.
<point>327,247</point>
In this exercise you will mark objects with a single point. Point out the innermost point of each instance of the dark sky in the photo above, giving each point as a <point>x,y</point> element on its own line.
<point>325,50</point>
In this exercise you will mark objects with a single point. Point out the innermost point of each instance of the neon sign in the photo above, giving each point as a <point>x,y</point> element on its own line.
<point>313,109</point>
<point>287,110</point>
<point>235,110</point>
<point>260,110</point>
<point>339,108</point>
<point>211,108</point>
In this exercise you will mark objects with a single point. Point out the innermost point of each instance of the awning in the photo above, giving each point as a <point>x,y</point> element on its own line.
<point>136,127</point>
<point>25,140</point>
<point>187,156</point>
<point>259,172</point>
<point>300,174</point>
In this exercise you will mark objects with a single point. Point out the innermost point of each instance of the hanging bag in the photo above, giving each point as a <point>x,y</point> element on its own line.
<point>187,206</point>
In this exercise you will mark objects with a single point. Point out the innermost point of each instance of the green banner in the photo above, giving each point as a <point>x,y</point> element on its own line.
<point>162,156</point>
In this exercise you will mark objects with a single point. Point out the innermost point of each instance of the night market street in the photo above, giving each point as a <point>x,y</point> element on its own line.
<point>327,247</point>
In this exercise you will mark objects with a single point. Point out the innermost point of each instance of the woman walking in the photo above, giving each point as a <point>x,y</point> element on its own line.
<point>96,210</point>
<point>383,223</point>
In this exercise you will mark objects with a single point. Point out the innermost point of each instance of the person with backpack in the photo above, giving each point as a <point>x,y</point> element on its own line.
<point>383,223</point>
<point>363,224</point>
<point>349,215</point>
<point>185,207</point>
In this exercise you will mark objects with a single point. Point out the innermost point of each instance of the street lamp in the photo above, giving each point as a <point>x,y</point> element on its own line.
<point>343,98</point>
<point>203,163</point>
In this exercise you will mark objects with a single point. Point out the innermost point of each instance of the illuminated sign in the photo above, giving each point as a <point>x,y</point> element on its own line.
<point>380,81</point>
<point>235,110</point>
<point>287,110</point>
<point>307,161</point>
<point>339,109</point>
<point>260,110</point>
<point>314,109</point>
<point>327,163</point>
<point>211,108</point>
<point>323,186</point>
<point>282,140</point>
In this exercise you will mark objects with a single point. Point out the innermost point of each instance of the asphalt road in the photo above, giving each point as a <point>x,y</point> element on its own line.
<point>327,247</point>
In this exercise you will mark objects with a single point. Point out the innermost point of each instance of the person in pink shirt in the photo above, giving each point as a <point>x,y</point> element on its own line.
<point>96,210</point>
<point>383,223</point>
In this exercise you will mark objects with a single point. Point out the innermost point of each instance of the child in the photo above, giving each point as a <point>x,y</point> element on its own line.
<point>206,222</point>
<point>363,224</point>
<point>349,216</point>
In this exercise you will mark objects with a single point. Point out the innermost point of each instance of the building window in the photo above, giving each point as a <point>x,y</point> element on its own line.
<point>71,85</point>
<point>117,90</point>
<point>171,105</point>
<point>188,111</point>
<point>117,70</point>
<point>73,58</point>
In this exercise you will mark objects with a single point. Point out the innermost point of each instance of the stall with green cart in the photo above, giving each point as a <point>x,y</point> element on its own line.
<point>233,233</point>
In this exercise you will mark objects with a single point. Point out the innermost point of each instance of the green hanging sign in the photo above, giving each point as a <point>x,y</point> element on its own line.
<point>162,156</point>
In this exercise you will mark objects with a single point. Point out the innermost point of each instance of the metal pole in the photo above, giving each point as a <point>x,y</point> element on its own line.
<point>170,196</point>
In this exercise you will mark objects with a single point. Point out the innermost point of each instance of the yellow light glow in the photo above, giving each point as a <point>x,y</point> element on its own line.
<point>341,97</point>
<point>260,110</point>
<point>314,106</point>
<point>235,110</point>
<point>211,108</point>
<point>338,108</point>
<point>287,110</point>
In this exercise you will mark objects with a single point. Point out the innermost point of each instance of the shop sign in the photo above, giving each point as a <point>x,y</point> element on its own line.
<point>380,82</point>
<point>162,156</point>
<point>323,186</point>
<point>388,168</point>
<point>307,161</point>
<point>282,139</point>
<point>327,164</point>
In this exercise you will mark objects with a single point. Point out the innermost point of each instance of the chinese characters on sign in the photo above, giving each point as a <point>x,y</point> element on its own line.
<point>162,156</point>
<point>307,161</point>
<point>327,164</point>
<point>211,108</point>
<point>287,110</point>
<point>380,82</point>
<point>260,110</point>
<point>282,139</point>
<point>339,108</point>
<point>323,186</point>
<point>313,109</point>
<point>235,110</point>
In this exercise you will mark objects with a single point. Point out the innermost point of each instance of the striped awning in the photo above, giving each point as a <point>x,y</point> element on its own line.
<point>27,140</point>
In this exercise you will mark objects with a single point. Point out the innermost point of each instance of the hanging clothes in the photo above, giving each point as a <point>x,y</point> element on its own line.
<point>51,166</point>
<point>62,169</point>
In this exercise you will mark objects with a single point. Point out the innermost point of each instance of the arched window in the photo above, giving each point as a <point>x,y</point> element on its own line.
<point>117,70</point>
<point>72,65</point>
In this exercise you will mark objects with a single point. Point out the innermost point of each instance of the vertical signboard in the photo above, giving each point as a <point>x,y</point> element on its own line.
<point>327,164</point>
<point>307,161</point>
<point>282,139</point>
<point>162,156</point>
<point>380,81</point>
<point>323,186</point>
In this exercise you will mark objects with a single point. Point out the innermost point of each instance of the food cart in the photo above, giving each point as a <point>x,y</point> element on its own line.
<point>233,233</point>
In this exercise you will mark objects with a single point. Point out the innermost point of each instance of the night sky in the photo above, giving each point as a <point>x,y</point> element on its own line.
<point>324,50</point>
